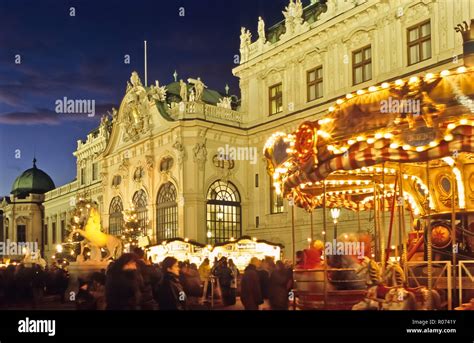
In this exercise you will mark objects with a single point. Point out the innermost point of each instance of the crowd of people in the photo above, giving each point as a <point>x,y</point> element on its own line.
<point>22,286</point>
<point>132,282</point>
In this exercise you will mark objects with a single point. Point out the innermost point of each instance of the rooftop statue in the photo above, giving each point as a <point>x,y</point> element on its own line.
<point>261,30</point>
<point>245,41</point>
<point>293,16</point>
<point>183,91</point>
<point>198,88</point>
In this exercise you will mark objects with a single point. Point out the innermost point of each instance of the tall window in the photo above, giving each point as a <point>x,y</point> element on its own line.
<point>116,216</point>
<point>276,200</point>
<point>314,81</point>
<point>95,171</point>
<point>276,99</point>
<point>83,176</point>
<point>21,233</point>
<point>140,202</point>
<point>63,230</point>
<point>223,212</point>
<point>362,65</point>
<point>166,212</point>
<point>54,232</point>
<point>419,42</point>
<point>7,228</point>
<point>46,234</point>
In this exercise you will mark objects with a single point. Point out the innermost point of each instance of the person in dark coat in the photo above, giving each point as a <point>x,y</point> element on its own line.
<point>279,287</point>
<point>122,289</point>
<point>151,280</point>
<point>264,277</point>
<point>225,276</point>
<point>171,295</point>
<point>251,294</point>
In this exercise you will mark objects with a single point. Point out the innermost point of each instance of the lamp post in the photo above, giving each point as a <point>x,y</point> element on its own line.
<point>335,213</point>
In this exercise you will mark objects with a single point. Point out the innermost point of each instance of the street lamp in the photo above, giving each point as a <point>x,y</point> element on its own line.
<point>335,213</point>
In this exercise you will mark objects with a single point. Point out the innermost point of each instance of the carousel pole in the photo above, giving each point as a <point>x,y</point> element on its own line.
<point>429,246</point>
<point>454,249</point>
<point>293,229</point>
<point>376,226</point>
<point>382,226</point>
<point>403,242</point>
<point>325,291</point>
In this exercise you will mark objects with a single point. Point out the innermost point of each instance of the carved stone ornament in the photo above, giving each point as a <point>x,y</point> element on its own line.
<point>200,154</point>
<point>136,116</point>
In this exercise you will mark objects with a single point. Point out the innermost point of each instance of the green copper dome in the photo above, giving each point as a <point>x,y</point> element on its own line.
<point>34,181</point>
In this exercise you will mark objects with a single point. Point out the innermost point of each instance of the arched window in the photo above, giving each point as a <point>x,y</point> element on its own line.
<point>140,202</point>
<point>166,212</point>
<point>223,212</point>
<point>116,217</point>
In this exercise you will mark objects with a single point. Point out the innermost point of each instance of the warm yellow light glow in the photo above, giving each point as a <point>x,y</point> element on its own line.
<point>378,135</point>
<point>59,248</point>
<point>451,126</point>
<point>444,73</point>
<point>349,96</point>
<point>394,146</point>
<point>360,92</point>
<point>360,138</point>
<point>463,121</point>
<point>448,137</point>
<point>351,141</point>
<point>339,101</point>
<point>419,148</point>
<point>331,109</point>
<point>372,89</point>
<point>388,135</point>
<point>385,85</point>
<point>370,140</point>
<point>406,147</point>
<point>399,82</point>
<point>433,144</point>
<point>413,79</point>
<point>461,69</point>
<point>429,76</point>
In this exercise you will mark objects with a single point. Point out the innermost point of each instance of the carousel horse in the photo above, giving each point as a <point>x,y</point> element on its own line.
<point>395,276</point>
<point>390,291</point>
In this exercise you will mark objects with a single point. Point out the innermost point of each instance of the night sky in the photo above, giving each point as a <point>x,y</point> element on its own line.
<point>82,57</point>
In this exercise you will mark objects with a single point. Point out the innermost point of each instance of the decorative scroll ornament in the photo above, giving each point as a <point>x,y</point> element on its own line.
<point>136,116</point>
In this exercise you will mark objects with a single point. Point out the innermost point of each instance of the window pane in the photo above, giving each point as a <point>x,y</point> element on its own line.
<point>367,53</point>
<point>358,57</point>
<point>319,92</point>
<point>413,34</point>
<point>320,73</point>
<point>312,92</point>
<point>414,56</point>
<point>368,71</point>
<point>426,30</point>
<point>312,76</point>
<point>426,49</point>
<point>358,75</point>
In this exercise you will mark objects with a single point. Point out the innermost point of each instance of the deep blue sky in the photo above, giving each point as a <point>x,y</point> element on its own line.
<point>82,57</point>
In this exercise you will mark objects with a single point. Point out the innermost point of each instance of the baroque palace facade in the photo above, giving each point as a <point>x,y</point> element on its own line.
<point>159,152</point>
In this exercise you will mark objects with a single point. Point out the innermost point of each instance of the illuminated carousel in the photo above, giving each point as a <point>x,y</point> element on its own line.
<point>403,150</point>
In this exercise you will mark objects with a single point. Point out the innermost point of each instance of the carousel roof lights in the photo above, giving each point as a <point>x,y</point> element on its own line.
<point>420,148</point>
<point>406,147</point>
<point>385,85</point>
<point>331,109</point>
<point>433,144</point>
<point>351,141</point>
<point>387,135</point>
<point>463,121</point>
<point>339,101</point>
<point>360,138</point>
<point>373,89</point>
<point>349,96</point>
<point>461,69</point>
<point>394,145</point>
<point>360,92</point>
<point>429,76</point>
<point>399,82</point>
<point>449,137</point>
<point>444,73</point>
<point>413,79</point>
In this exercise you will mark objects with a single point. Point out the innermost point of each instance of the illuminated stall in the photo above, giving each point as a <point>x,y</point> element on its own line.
<point>243,249</point>
<point>181,249</point>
